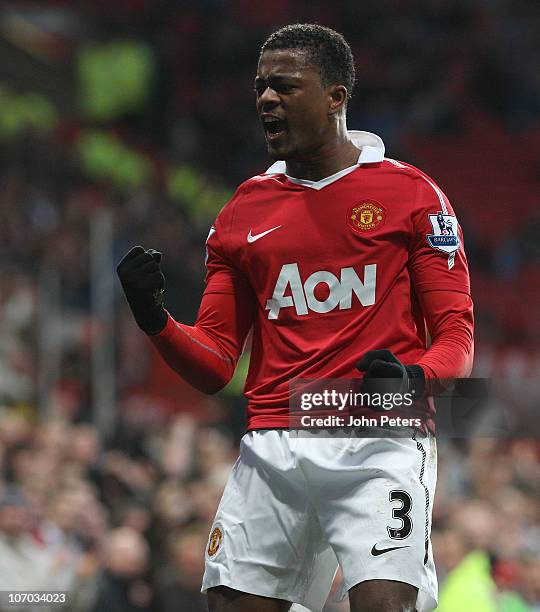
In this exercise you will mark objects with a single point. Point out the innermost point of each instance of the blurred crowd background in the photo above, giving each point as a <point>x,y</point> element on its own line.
<point>132,121</point>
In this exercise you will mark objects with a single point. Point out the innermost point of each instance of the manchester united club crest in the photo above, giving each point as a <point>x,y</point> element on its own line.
<point>366,215</point>
<point>216,538</point>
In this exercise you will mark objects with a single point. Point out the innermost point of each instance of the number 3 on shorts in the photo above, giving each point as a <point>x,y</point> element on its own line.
<point>401,514</point>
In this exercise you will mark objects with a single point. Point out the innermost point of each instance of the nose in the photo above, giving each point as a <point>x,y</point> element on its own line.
<point>268,99</point>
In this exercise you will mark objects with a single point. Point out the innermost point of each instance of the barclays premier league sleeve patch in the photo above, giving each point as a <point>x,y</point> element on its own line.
<point>445,236</point>
<point>445,233</point>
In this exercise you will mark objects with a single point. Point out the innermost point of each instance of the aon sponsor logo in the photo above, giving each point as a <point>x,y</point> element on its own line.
<point>303,298</point>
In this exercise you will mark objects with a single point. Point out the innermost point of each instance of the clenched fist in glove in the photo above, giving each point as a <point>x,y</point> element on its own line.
<point>144,285</point>
<point>384,373</point>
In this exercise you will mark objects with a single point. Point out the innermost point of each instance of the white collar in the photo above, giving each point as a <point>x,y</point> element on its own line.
<point>371,152</point>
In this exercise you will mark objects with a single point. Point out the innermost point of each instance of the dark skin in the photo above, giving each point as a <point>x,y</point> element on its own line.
<point>314,144</point>
<point>368,596</point>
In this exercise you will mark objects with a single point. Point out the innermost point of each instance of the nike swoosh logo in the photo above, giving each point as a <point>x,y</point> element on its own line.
<point>380,551</point>
<point>253,237</point>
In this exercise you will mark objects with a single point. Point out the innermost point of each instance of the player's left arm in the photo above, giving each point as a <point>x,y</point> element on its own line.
<point>440,278</point>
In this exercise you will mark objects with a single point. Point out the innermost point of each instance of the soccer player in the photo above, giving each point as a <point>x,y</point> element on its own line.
<point>335,259</point>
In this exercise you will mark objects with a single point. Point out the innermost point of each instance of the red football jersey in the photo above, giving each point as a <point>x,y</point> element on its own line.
<point>335,268</point>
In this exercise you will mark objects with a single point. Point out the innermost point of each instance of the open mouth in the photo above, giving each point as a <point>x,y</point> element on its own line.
<point>274,127</point>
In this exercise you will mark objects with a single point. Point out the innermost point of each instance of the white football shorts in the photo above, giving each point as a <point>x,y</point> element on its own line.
<point>296,505</point>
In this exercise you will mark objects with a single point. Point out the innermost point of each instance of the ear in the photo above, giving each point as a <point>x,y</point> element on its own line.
<point>337,95</point>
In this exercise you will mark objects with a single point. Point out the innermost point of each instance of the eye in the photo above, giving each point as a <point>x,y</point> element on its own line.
<point>279,87</point>
<point>285,88</point>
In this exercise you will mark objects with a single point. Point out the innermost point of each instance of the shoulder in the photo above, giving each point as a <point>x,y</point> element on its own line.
<point>401,168</point>
<point>246,193</point>
<point>423,184</point>
<point>411,172</point>
<point>259,182</point>
<point>256,183</point>
<point>252,187</point>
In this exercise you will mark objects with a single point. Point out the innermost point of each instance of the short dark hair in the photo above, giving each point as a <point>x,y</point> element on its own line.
<point>325,48</point>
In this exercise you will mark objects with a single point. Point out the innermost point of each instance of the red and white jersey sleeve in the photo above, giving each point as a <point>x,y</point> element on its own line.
<point>440,277</point>
<point>221,274</point>
<point>227,319</point>
<point>437,256</point>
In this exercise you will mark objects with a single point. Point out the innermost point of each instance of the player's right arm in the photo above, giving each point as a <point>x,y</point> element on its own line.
<point>204,354</point>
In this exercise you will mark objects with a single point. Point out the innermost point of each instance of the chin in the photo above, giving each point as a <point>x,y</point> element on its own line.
<point>280,154</point>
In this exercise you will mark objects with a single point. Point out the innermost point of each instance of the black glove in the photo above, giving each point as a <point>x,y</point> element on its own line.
<point>144,285</point>
<point>384,373</point>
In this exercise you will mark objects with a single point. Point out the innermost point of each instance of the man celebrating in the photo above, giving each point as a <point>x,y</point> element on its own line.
<point>334,258</point>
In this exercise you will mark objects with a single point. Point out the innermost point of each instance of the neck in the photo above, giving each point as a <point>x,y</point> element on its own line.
<point>334,155</point>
